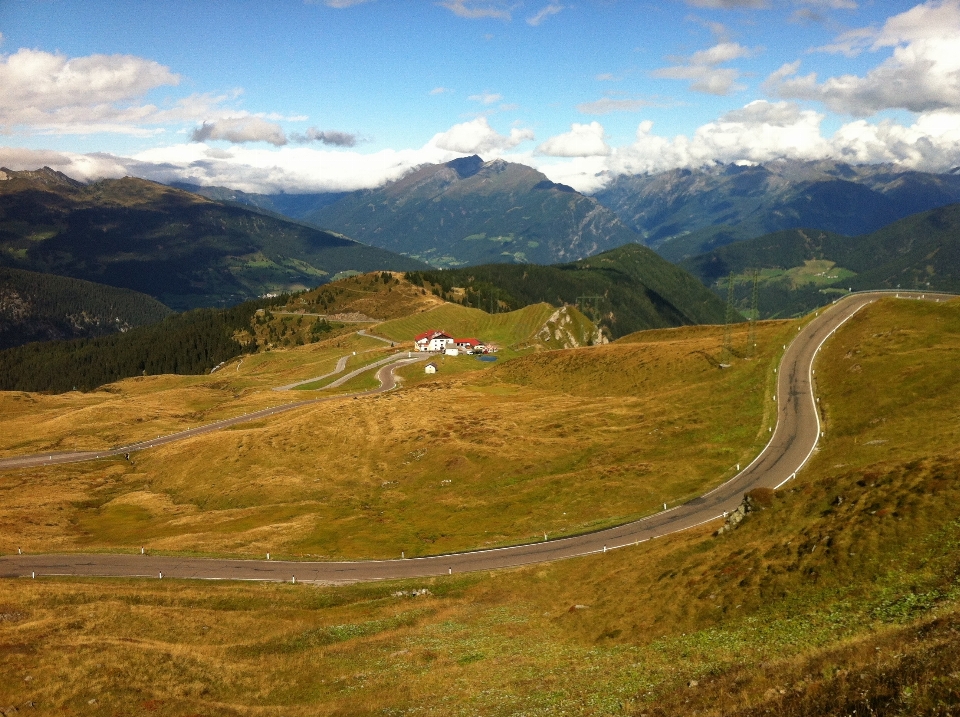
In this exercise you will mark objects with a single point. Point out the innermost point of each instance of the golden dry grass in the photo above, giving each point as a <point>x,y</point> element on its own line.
<point>145,407</point>
<point>370,295</point>
<point>813,606</point>
<point>555,442</point>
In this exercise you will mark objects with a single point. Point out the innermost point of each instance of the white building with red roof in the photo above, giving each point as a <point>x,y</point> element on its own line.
<point>470,345</point>
<point>433,340</point>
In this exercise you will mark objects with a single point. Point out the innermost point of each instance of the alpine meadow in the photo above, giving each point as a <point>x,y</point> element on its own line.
<point>480,358</point>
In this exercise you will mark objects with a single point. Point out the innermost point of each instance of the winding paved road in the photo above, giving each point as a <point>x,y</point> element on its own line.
<point>791,445</point>
<point>385,376</point>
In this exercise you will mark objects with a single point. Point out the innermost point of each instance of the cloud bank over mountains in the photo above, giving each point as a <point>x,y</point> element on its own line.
<point>904,108</point>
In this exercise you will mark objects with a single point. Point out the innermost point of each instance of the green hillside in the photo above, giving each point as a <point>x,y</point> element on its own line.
<point>45,307</point>
<point>801,269</point>
<point>473,212</point>
<point>516,329</point>
<point>624,290</point>
<point>178,247</point>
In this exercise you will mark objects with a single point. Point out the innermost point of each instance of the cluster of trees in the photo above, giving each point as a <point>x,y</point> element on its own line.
<point>189,343</point>
<point>623,290</point>
<point>484,286</point>
<point>42,307</point>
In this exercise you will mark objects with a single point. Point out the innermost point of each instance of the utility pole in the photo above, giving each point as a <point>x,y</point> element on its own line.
<point>728,320</point>
<point>754,313</point>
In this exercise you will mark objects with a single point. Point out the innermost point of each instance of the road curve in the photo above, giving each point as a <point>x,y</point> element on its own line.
<point>791,445</point>
<point>385,376</point>
<point>341,365</point>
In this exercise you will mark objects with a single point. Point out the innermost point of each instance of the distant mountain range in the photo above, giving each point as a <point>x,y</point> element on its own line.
<point>463,212</point>
<point>801,269</point>
<point>182,249</point>
<point>683,212</point>
<point>469,212</point>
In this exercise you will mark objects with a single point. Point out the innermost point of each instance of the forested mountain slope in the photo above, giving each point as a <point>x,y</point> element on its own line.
<point>42,307</point>
<point>804,268</point>
<point>624,290</point>
<point>178,247</point>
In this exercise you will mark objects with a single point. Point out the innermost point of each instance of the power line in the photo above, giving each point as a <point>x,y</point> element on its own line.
<point>754,312</point>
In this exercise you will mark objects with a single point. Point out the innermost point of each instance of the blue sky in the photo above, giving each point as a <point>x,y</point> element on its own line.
<point>341,94</point>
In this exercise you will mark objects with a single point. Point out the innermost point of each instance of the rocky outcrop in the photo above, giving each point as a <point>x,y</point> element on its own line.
<point>757,499</point>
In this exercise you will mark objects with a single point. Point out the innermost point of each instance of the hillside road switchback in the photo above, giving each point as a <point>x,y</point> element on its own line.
<point>385,376</point>
<point>792,442</point>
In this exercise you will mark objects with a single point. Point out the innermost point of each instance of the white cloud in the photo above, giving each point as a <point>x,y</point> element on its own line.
<point>241,129</point>
<point>760,131</point>
<point>440,90</point>
<point>478,137</point>
<point>334,137</point>
<point>922,75</point>
<point>606,105</point>
<point>702,70</point>
<point>486,98</point>
<point>583,140</point>
<point>728,4</point>
<point>478,9</point>
<point>718,54</point>
<point>343,3</point>
<point>545,12</point>
<point>850,43</point>
<point>51,92</point>
<point>249,128</point>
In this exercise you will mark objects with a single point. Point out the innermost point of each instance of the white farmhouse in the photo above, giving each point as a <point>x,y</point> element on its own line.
<point>436,341</point>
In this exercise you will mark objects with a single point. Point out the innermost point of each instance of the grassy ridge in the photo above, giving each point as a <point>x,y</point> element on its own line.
<point>196,341</point>
<point>814,606</point>
<point>631,289</point>
<point>504,329</point>
<point>144,407</point>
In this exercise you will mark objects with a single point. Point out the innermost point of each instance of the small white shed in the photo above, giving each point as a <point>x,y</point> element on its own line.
<point>430,368</point>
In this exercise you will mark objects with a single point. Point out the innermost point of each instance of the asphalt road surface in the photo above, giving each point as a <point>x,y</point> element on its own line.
<point>385,375</point>
<point>791,444</point>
